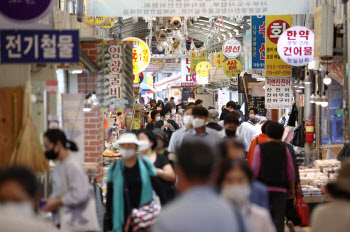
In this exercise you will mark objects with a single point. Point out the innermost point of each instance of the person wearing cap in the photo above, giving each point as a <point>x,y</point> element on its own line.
<point>137,172</point>
<point>213,119</point>
<point>248,131</point>
<point>335,215</point>
<point>162,142</point>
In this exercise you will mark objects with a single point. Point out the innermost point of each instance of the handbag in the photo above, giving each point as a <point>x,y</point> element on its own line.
<point>299,136</point>
<point>302,210</point>
<point>82,217</point>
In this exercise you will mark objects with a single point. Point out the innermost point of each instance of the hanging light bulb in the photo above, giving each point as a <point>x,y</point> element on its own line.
<point>318,99</point>
<point>312,98</point>
<point>307,80</point>
<point>324,100</point>
<point>327,80</point>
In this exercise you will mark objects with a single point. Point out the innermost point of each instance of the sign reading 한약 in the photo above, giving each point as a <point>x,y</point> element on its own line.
<point>232,48</point>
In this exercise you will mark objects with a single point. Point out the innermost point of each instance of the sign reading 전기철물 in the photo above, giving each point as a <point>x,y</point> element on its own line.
<point>278,93</point>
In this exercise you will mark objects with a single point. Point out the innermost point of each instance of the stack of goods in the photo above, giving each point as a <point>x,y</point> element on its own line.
<point>329,167</point>
<point>310,191</point>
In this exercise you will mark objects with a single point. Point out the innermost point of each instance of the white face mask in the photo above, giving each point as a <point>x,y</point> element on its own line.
<point>181,111</point>
<point>166,118</point>
<point>144,145</point>
<point>159,109</point>
<point>173,111</point>
<point>188,120</point>
<point>22,208</point>
<point>238,194</point>
<point>157,119</point>
<point>198,122</point>
<point>127,153</point>
<point>251,115</point>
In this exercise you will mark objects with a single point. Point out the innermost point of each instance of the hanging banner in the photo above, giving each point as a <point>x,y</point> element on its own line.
<point>278,93</point>
<point>275,26</point>
<point>141,54</point>
<point>232,68</point>
<point>296,46</point>
<point>219,60</point>
<point>196,59</point>
<point>232,48</point>
<point>108,23</point>
<point>186,79</point>
<point>203,68</point>
<point>141,8</point>
<point>258,44</point>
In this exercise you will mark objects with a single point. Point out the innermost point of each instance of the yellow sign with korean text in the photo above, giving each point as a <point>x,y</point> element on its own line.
<point>232,68</point>
<point>108,23</point>
<point>275,26</point>
<point>141,54</point>
<point>203,68</point>
<point>196,59</point>
<point>219,60</point>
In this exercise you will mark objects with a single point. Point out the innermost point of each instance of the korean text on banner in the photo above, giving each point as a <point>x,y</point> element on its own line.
<point>141,54</point>
<point>161,8</point>
<point>275,26</point>
<point>278,94</point>
<point>39,46</point>
<point>196,59</point>
<point>258,44</point>
<point>186,78</point>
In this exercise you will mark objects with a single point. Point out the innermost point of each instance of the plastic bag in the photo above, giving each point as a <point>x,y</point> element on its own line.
<point>302,210</point>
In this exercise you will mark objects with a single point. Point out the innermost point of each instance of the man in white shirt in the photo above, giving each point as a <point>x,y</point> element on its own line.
<point>248,131</point>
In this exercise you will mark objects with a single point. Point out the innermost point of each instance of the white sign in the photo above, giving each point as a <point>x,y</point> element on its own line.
<point>278,94</point>
<point>186,79</point>
<point>161,8</point>
<point>232,48</point>
<point>296,46</point>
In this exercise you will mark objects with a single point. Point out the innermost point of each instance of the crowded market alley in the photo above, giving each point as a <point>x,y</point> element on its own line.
<point>174,116</point>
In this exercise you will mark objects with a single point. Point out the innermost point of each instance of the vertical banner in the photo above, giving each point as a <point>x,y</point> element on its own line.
<point>278,93</point>
<point>275,26</point>
<point>186,78</point>
<point>196,59</point>
<point>258,44</point>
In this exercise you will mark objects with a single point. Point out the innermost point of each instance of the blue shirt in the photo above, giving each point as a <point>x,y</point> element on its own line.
<point>260,195</point>
<point>198,209</point>
<point>210,137</point>
<point>176,139</point>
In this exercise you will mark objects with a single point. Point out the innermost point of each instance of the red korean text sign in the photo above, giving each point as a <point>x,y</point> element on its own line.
<point>232,48</point>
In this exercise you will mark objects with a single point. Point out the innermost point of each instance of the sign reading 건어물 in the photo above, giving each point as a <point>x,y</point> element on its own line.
<point>278,94</point>
<point>39,46</point>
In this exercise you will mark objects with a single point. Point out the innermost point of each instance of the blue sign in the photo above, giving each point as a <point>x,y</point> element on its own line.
<point>258,44</point>
<point>39,46</point>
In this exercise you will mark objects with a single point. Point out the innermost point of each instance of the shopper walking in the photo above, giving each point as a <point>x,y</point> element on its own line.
<point>155,116</point>
<point>199,102</point>
<point>199,208</point>
<point>262,138</point>
<point>129,184</point>
<point>253,112</point>
<point>19,196</point>
<point>230,106</point>
<point>234,183</point>
<point>213,119</point>
<point>335,215</point>
<point>200,132</point>
<point>72,201</point>
<point>273,166</point>
<point>231,124</point>
<point>174,115</point>
<point>164,170</point>
<point>180,109</point>
<point>247,131</point>
<point>166,124</point>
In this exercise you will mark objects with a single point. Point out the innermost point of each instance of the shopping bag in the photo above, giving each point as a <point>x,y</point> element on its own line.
<point>302,210</point>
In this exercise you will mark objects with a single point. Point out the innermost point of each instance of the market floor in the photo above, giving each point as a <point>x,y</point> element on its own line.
<point>299,229</point>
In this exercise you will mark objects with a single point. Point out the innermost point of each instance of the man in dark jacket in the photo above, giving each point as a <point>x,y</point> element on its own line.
<point>213,119</point>
<point>230,106</point>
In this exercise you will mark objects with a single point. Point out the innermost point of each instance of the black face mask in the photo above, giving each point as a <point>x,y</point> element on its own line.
<point>51,155</point>
<point>230,133</point>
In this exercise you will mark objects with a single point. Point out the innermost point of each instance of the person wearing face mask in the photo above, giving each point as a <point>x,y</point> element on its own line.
<point>71,190</point>
<point>136,171</point>
<point>234,184</point>
<point>162,142</point>
<point>180,109</point>
<point>155,116</point>
<point>231,123</point>
<point>166,124</point>
<point>164,170</point>
<point>200,132</point>
<point>19,196</point>
<point>230,106</point>
<point>248,131</point>
<point>174,115</point>
<point>213,119</point>
<point>253,112</point>
<point>176,139</point>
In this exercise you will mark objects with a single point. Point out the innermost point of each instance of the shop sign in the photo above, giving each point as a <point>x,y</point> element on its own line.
<point>301,100</point>
<point>108,23</point>
<point>296,46</point>
<point>186,78</point>
<point>161,8</point>
<point>232,68</point>
<point>141,54</point>
<point>324,29</point>
<point>278,94</point>
<point>51,86</point>
<point>196,59</point>
<point>203,68</point>
<point>219,60</point>
<point>258,44</point>
<point>95,21</point>
<point>232,48</point>
<point>39,46</point>
<point>115,75</point>
<point>275,26</point>
<point>25,10</point>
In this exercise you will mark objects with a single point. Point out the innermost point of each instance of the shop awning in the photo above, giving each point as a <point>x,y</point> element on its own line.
<point>147,88</point>
<point>168,81</point>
